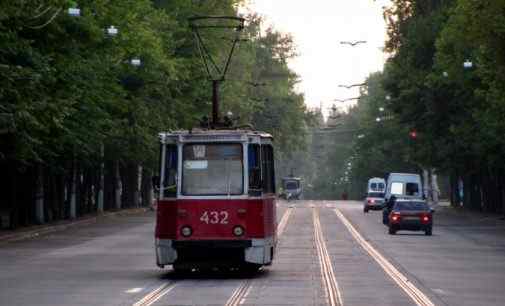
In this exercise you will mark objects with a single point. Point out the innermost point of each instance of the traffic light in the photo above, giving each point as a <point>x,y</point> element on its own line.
<point>413,134</point>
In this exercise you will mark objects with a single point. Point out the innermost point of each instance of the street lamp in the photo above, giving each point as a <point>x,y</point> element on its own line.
<point>388,97</point>
<point>74,12</point>
<point>135,62</point>
<point>467,64</point>
<point>445,74</point>
<point>112,31</point>
<point>378,119</point>
<point>381,109</point>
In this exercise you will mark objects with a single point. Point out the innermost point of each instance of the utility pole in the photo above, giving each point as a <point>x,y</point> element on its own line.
<point>215,102</point>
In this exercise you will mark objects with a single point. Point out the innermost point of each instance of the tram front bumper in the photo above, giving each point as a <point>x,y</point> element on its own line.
<point>257,251</point>
<point>166,254</point>
<point>261,252</point>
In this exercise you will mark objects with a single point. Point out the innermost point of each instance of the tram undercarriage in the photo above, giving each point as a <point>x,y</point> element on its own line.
<point>209,254</point>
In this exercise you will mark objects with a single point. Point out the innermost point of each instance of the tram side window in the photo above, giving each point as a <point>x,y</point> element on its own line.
<point>170,180</point>
<point>267,164</point>
<point>253,165</point>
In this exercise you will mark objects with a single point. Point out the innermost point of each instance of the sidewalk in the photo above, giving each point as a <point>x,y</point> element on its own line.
<point>457,216</point>
<point>7,236</point>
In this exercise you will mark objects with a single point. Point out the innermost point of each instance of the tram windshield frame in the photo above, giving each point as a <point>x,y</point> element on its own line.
<point>204,169</point>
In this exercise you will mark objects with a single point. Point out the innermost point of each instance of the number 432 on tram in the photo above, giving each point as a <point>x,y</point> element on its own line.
<point>216,202</point>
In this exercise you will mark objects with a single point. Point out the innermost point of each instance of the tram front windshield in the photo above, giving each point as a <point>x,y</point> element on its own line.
<point>212,169</point>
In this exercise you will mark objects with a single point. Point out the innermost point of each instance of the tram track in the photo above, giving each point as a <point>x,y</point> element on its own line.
<point>400,279</point>
<point>238,294</point>
<point>242,291</point>
<point>156,294</point>
<point>328,276</point>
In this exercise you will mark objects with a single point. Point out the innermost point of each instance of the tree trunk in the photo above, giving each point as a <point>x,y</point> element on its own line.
<point>426,192</point>
<point>39,196</point>
<point>118,185</point>
<point>73,191</point>
<point>101,183</point>
<point>435,189</point>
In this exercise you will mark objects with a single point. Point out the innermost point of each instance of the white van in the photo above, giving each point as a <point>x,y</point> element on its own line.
<point>374,199</point>
<point>376,184</point>
<point>404,185</point>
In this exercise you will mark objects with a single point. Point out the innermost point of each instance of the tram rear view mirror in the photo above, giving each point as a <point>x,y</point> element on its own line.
<point>255,177</point>
<point>156,181</point>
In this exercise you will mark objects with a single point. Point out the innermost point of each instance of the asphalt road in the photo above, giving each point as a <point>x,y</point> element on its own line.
<point>330,253</point>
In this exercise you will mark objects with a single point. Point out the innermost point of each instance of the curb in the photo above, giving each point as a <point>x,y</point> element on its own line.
<point>46,229</point>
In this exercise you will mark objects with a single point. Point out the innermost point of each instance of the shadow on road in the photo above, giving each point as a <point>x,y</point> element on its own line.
<point>214,274</point>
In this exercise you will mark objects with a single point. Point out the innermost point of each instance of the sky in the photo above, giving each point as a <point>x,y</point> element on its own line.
<point>317,27</point>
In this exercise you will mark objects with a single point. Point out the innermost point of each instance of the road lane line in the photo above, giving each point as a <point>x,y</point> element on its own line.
<point>156,294</point>
<point>284,221</point>
<point>134,290</point>
<point>240,294</point>
<point>401,280</point>
<point>328,276</point>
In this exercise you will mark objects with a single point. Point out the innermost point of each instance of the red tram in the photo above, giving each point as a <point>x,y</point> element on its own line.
<point>216,205</point>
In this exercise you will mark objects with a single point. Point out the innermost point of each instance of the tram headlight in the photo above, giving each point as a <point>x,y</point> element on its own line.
<point>238,231</point>
<point>186,231</point>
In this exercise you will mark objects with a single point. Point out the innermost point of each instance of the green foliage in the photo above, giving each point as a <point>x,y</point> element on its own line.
<point>457,112</point>
<point>72,88</point>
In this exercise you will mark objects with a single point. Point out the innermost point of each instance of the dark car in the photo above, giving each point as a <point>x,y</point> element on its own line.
<point>373,201</point>
<point>410,215</point>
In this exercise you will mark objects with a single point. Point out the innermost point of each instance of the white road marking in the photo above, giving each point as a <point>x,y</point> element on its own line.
<point>134,290</point>
<point>329,280</point>
<point>283,222</point>
<point>401,280</point>
<point>439,291</point>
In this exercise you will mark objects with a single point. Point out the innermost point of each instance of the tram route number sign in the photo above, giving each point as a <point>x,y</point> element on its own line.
<point>214,217</point>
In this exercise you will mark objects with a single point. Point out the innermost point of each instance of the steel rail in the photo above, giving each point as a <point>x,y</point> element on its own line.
<point>328,276</point>
<point>156,294</point>
<point>244,288</point>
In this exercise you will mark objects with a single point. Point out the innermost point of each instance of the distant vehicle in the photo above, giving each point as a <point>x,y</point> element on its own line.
<point>376,184</point>
<point>292,187</point>
<point>374,199</point>
<point>401,186</point>
<point>404,186</point>
<point>411,215</point>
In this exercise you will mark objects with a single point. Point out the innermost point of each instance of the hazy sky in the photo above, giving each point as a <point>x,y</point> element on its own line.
<point>318,26</point>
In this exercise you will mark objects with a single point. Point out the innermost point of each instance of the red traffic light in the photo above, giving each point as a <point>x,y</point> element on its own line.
<point>413,134</point>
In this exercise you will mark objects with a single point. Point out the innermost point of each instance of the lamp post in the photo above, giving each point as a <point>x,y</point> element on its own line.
<point>111,31</point>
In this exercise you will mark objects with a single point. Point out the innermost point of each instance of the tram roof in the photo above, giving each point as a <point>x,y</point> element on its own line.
<point>214,133</point>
